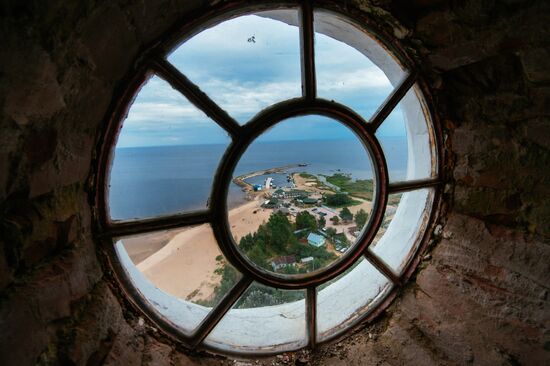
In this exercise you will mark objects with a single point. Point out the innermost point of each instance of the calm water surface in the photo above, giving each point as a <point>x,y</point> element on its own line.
<point>151,181</point>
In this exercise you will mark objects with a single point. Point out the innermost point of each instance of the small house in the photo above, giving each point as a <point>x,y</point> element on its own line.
<point>283,261</point>
<point>316,240</point>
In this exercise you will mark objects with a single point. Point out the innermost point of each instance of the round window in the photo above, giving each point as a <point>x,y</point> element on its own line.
<point>268,177</point>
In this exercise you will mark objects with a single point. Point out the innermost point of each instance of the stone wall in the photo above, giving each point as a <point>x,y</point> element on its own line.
<point>480,295</point>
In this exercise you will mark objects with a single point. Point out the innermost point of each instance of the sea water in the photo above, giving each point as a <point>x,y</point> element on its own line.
<point>152,181</point>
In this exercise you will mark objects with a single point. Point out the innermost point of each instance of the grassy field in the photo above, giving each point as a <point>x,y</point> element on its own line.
<point>361,188</point>
<point>307,176</point>
<point>347,204</point>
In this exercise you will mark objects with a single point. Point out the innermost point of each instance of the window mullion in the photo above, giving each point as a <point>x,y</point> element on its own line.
<point>411,185</point>
<point>382,267</point>
<point>391,102</point>
<point>116,229</point>
<point>196,96</point>
<point>307,40</point>
<point>311,316</point>
<point>218,312</point>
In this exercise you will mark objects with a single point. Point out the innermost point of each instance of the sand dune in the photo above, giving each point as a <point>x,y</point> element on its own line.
<point>185,266</point>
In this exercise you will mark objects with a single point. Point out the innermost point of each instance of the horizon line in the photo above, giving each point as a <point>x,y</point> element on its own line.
<point>257,141</point>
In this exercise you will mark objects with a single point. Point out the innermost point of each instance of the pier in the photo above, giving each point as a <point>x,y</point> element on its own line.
<point>241,179</point>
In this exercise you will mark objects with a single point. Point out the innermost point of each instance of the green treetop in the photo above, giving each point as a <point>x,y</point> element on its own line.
<point>361,218</point>
<point>304,220</point>
<point>346,214</point>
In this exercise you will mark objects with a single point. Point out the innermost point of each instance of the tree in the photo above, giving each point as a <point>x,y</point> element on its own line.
<point>289,270</point>
<point>279,231</point>
<point>259,257</point>
<point>322,222</point>
<point>361,218</point>
<point>338,199</point>
<point>346,214</point>
<point>247,242</point>
<point>331,232</point>
<point>335,220</point>
<point>316,264</point>
<point>304,220</point>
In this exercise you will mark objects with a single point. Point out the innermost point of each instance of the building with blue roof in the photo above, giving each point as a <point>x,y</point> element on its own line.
<point>316,240</point>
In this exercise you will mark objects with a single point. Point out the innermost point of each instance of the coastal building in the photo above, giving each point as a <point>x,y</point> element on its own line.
<point>283,261</point>
<point>325,212</point>
<point>291,193</point>
<point>283,210</point>
<point>306,260</point>
<point>310,201</point>
<point>272,203</point>
<point>297,193</point>
<point>316,240</point>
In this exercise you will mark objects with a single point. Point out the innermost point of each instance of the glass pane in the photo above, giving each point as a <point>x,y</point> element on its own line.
<point>263,320</point>
<point>245,64</point>
<point>406,138</point>
<point>181,272</point>
<point>165,156</point>
<point>392,136</point>
<point>343,301</point>
<point>389,215</point>
<point>403,231</point>
<point>352,68</point>
<point>306,187</point>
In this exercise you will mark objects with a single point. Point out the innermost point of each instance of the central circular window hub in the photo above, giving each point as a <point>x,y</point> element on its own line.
<point>296,213</point>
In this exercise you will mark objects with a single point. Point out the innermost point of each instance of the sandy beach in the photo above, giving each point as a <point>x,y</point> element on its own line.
<point>182,262</point>
<point>184,267</point>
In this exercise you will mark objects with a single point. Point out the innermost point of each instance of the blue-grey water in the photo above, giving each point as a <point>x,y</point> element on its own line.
<point>151,181</point>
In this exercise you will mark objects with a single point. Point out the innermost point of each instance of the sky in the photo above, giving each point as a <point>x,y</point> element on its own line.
<point>245,65</point>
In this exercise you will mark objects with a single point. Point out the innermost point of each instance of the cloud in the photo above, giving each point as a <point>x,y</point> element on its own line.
<point>367,79</point>
<point>244,76</point>
<point>247,34</point>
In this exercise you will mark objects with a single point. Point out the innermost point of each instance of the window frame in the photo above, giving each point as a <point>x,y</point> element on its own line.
<point>153,62</point>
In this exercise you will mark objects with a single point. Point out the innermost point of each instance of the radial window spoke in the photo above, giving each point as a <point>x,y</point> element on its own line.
<point>382,267</point>
<point>181,272</point>
<point>246,63</point>
<point>169,222</point>
<point>411,185</point>
<point>391,102</point>
<point>158,161</point>
<point>196,96</point>
<point>338,300</point>
<point>263,317</point>
<point>407,138</point>
<point>311,314</point>
<point>221,309</point>
<point>307,44</point>
<point>348,68</point>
